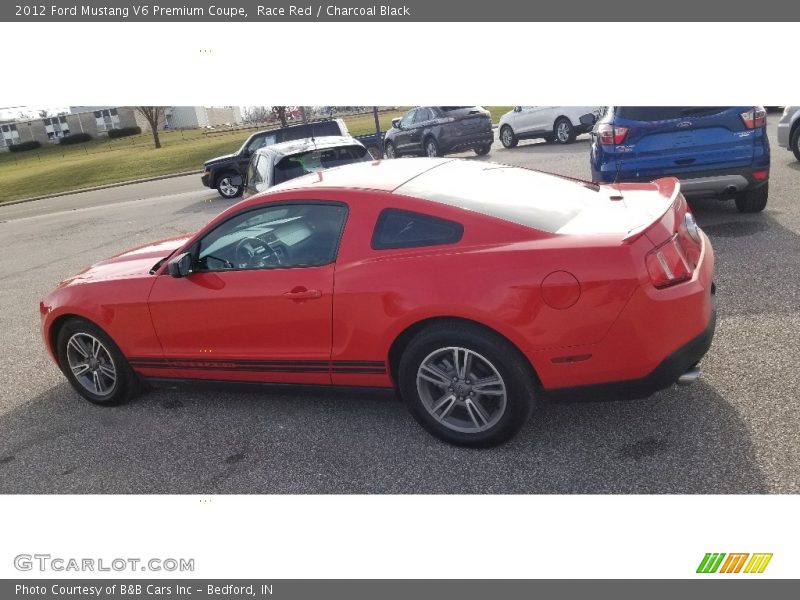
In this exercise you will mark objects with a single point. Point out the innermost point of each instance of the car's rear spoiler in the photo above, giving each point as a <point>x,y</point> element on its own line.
<point>667,187</point>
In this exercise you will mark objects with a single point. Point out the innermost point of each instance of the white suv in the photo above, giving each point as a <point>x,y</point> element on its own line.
<point>553,123</point>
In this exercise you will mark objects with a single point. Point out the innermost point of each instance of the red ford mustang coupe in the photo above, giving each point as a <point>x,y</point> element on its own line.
<point>474,288</point>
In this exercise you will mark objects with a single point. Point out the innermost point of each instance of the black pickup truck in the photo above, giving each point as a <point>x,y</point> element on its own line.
<point>225,173</point>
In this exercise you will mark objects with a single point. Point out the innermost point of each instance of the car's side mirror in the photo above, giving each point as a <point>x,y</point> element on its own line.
<point>181,265</point>
<point>396,123</point>
<point>588,119</point>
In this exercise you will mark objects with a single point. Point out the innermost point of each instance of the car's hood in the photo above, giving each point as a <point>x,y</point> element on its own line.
<point>132,263</point>
<point>219,159</point>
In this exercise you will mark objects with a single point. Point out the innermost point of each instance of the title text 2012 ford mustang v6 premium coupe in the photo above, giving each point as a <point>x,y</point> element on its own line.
<point>474,288</point>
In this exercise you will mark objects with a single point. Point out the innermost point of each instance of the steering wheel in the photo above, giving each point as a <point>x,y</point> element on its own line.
<point>254,252</point>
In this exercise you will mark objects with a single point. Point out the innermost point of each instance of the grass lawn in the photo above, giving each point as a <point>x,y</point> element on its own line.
<point>53,168</point>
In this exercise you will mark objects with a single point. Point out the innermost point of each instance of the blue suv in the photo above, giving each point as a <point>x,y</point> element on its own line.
<point>715,151</point>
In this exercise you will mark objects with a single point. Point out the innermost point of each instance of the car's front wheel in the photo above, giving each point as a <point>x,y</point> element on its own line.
<point>226,188</point>
<point>389,150</point>
<point>751,201</point>
<point>431,148</point>
<point>563,131</point>
<point>93,364</point>
<point>466,385</point>
<point>507,137</point>
<point>482,150</point>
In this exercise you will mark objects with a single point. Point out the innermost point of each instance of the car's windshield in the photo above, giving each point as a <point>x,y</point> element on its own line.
<point>315,160</point>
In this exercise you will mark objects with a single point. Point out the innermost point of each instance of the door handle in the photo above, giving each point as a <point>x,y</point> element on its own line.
<point>301,293</point>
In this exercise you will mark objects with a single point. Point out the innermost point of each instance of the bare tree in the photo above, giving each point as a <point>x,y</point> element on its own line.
<point>257,114</point>
<point>280,112</point>
<point>153,116</point>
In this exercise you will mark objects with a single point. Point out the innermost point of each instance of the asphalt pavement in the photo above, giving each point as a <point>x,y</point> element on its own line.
<point>737,430</point>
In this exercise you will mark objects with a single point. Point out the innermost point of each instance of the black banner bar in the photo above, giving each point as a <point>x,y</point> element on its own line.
<point>464,11</point>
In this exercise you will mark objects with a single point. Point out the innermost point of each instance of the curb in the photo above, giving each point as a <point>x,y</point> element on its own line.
<point>99,187</point>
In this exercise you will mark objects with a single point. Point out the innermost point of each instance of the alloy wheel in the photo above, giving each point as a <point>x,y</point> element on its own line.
<point>227,188</point>
<point>91,364</point>
<point>461,389</point>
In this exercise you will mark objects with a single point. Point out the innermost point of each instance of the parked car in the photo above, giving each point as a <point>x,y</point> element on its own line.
<point>223,172</point>
<point>553,123</point>
<point>275,164</point>
<point>789,130</point>
<point>461,283</point>
<point>439,130</point>
<point>715,151</point>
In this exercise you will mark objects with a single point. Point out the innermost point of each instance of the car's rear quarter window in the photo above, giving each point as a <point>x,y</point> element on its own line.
<point>397,228</point>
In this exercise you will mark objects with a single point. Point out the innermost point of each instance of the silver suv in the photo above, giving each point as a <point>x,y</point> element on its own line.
<point>789,130</point>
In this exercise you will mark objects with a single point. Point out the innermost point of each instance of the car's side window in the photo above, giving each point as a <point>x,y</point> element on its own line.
<point>277,236</point>
<point>408,119</point>
<point>423,114</point>
<point>397,228</point>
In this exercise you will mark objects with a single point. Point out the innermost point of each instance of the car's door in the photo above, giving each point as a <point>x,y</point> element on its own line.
<point>402,139</point>
<point>257,305</point>
<point>541,118</point>
<point>422,120</point>
<point>524,121</point>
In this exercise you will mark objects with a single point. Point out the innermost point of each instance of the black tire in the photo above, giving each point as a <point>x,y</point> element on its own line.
<point>390,151</point>
<point>515,375</point>
<point>125,384</point>
<point>482,150</point>
<point>431,148</point>
<point>507,137</point>
<point>753,201</point>
<point>795,142</point>
<point>226,189</point>
<point>563,131</point>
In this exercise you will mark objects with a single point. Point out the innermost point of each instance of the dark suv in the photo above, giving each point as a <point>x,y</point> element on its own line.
<point>439,130</point>
<point>715,151</point>
<point>225,173</point>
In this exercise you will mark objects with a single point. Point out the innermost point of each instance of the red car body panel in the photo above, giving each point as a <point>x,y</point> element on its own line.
<point>580,306</point>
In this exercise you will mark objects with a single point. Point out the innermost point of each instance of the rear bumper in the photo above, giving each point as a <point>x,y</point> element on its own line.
<point>663,376</point>
<point>713,183</point>
<point>466,142</point>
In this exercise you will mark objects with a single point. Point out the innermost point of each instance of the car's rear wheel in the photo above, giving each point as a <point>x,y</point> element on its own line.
<point>795,142</point>
<point>563,131</point>
<point>389,150</point>
<point>466,385</point>
<point>93,364</point>
<point>226,188</point>
<point>751,201</point>
<point>482,150</point>
<point>431,148</point>
<point>507,137</point>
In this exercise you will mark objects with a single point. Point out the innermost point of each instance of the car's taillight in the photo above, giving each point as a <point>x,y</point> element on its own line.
<point>611,135</point>
<point>755,117</point>
<point>667,264</point>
